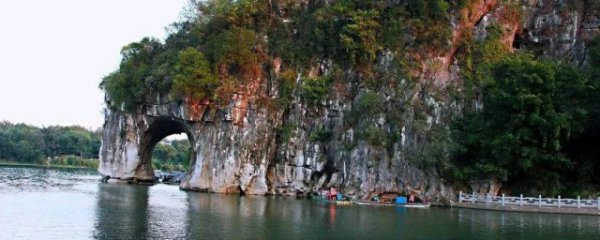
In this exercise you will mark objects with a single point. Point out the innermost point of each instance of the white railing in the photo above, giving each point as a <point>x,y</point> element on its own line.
<point>529,201</point>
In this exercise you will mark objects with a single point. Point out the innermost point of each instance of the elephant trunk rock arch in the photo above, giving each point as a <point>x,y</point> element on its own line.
<point>128,141</point>
<point>158,130</point>
<point>231,146</point>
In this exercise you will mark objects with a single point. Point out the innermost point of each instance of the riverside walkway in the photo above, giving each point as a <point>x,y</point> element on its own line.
<point>529,204</point>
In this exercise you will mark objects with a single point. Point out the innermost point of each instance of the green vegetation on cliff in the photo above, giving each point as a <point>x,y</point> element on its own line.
<point>532,109</point>
<point>193,76</point>
<point>231,42</point>
<point>538,125</point>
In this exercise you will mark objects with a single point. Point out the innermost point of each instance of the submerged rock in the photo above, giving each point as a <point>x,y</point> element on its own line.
<point>174,177</point>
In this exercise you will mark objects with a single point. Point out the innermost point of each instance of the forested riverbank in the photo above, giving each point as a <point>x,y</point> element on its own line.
<point>72,146</point>
<point>32,165</point>
<point>53,145</point>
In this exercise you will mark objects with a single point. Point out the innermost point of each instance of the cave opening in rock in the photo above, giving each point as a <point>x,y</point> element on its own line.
<point>167,147</point>
<point>519,40</point>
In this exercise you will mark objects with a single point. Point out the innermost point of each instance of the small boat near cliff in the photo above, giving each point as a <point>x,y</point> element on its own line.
<point>373,203</point>
<point>417,205</point>
<point>325,200</point>
<point>407,205</point>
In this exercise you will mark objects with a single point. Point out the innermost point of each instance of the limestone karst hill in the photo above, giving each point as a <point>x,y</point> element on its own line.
<point>290,96</point>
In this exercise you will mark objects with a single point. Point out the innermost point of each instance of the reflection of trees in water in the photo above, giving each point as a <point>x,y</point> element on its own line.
<point>524,225</point>
<point>163,212</point>
<point>121,212</point>
<point>217,216</point>
<point>126,212</point>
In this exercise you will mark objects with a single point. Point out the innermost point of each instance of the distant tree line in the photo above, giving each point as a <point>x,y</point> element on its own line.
<point>29,144</point>
<point>75,146</point>
<point>171,155</point>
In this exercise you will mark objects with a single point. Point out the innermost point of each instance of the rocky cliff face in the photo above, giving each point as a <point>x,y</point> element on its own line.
<point>256,149</point>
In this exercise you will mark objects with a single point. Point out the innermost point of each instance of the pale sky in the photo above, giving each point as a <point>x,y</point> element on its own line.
<point>53,54</point>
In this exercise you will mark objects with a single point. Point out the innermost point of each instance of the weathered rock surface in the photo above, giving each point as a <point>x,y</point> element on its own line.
<point>235,148</point>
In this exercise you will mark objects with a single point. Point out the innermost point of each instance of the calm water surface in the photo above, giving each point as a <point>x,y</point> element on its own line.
<point>72,204</point>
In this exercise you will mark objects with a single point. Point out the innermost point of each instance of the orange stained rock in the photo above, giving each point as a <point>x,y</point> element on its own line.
<point>472,15</point>
<point>196,108</point>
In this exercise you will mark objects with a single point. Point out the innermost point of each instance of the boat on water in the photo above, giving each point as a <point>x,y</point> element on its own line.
<point>387,201</point>
<point>374,203</point>
<point>406,205</point>
<point>325,200</point>
<point>417,205</point>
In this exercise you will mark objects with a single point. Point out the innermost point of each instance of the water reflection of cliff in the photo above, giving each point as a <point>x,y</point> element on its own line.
<point>165,212</point>
<point>216,216</point>
<point>140,212</point>
<point>121,212</point>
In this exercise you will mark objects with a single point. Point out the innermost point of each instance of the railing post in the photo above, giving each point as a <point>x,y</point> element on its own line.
<point>503,199</point>
<point>473,198</point>
<point>598,203</point>
<point>460,196</point>
<point>521,201</point>
<point>487,198</point>
<point>558,201</point>
<point>578,202</point>
<point>540,201</point>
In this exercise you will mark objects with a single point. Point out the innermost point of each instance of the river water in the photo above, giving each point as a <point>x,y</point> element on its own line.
<point>72,204</point>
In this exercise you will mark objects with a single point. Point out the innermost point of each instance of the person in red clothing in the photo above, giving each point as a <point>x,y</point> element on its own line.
<point>332,193</point>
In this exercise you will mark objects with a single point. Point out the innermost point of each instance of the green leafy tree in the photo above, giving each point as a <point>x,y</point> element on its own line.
<point>22,143</point>
<point>172,155</point>
<point>184,152</point>
<point>531,109</point>
<point>359,36</point>
<point>127,86</point>
<point>315,89</point>
<point>193,77</point>
<point>75,142</point>
<point>29,144</point>
<point>164,152</point>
